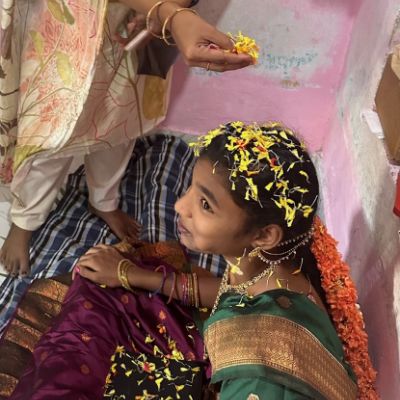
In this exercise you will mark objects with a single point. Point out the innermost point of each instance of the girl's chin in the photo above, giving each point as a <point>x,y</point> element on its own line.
<point>188,243</point>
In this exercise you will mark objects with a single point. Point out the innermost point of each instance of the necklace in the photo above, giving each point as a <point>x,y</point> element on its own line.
<point>241,288</point>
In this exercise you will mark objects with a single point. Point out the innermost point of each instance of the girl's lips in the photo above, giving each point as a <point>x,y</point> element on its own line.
<point>182,230</point>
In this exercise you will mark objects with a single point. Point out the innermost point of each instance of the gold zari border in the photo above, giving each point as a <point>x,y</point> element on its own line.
<point>7,384</point>
<point>34,314</point>
<point>280,344</point>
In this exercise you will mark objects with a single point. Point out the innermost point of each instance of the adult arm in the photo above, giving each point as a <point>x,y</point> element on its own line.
<point>193,36</point>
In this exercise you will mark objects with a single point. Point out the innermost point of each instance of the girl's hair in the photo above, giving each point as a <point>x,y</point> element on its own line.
<point>287,164</point>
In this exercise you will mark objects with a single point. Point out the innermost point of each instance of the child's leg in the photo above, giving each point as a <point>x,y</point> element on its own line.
<point>29,210</point>
<point>104,171</point>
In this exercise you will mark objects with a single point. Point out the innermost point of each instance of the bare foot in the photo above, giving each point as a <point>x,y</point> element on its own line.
<point>14,254</point>
<point>119,222</point>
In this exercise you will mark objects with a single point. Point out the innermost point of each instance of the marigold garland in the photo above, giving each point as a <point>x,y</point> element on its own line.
<point>341,295</point>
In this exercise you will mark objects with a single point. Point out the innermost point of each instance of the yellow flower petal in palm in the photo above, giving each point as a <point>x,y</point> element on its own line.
<point>245,45</point>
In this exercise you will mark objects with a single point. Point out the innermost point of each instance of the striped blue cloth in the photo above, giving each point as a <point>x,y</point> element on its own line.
<point>158,174</point>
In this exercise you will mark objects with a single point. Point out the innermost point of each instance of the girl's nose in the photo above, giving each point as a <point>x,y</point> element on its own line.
<point>182,206</point>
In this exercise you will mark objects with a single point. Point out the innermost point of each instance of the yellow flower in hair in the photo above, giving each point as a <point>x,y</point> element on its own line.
<point>254,148</point>
<point>296,153</point>
<point>278,169</point>
<point>290,208</point>
<point>205,140</point>
<point>269,186</point>
<point>300,189</point>
<point>252,190</point>
<point>307,210</point>
<point>304,173</point>
<point>283,185</point>
<point>238,125</point>
<point>245,45</point>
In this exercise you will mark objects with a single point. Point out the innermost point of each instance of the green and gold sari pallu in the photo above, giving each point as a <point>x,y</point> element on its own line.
<point>277,345</point>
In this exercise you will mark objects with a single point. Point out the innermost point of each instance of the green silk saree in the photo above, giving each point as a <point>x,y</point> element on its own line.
<point>278,345</point>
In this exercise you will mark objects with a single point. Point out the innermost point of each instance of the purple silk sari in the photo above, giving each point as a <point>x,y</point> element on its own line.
<point>72,359</point>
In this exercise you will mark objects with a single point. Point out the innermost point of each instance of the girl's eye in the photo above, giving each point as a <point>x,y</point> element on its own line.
<point>205,205</point>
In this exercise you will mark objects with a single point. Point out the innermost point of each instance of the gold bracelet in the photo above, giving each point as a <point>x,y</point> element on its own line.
<point>148,18</point>
<point>123,267</point>
<point>168,19</point>
<point>196,291</point>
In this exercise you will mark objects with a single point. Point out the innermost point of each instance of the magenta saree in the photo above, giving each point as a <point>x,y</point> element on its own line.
<point>72,359</point>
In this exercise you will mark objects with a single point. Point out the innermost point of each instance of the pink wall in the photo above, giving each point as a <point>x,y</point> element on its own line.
<point>250,98</point>
<point>303,52</point>
<point>359,191</point>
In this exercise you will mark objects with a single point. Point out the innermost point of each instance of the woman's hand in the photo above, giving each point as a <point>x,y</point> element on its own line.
<point>202,45</point>
<point>100,265</point>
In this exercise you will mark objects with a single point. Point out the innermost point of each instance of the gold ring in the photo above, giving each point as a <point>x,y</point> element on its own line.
<point>208,66</point>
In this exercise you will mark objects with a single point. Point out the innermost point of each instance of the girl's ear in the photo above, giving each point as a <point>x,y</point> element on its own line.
<point>268,237</point>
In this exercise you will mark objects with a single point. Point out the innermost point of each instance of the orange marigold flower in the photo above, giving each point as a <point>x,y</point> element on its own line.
<point>341,295</point>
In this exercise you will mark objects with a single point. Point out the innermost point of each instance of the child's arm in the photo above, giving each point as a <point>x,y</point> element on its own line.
<point>100,265</point>
<point>152,281</point>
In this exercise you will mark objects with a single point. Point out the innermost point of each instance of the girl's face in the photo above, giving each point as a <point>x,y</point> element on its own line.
<point>209,220</point>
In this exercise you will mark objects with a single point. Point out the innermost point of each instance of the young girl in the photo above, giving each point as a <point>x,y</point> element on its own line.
<point>253,199</point>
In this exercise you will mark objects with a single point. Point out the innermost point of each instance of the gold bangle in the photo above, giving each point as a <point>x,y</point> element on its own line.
<point>173,287</point>
<point>123,267</point>
<point>148,18</point>
<point>168,19</point>
<point>196,291</point>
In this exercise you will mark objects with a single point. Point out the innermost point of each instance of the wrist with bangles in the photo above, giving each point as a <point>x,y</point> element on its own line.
<point>189,285</point>
<point>155,9</point>
<point>188,294</point>
<point>122,271</point>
